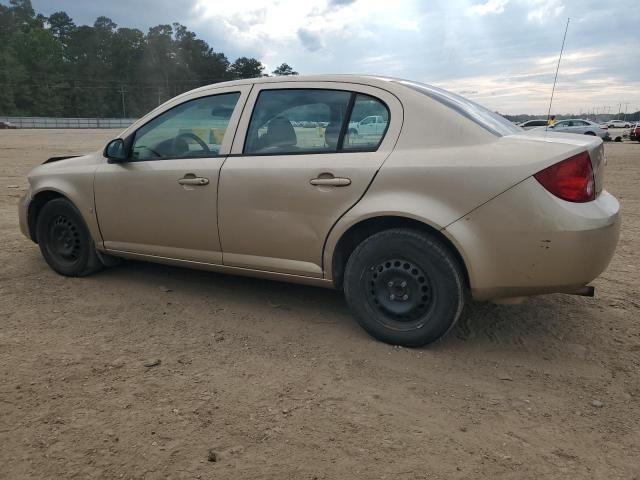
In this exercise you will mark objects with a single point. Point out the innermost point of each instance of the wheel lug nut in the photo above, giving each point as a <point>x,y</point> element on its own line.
<point>405,297</point>
<point>403,284</point>
<point>392,297</point>
<point>390,284</point>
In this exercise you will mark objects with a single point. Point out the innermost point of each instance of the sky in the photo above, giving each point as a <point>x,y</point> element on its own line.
<point>500,53</point>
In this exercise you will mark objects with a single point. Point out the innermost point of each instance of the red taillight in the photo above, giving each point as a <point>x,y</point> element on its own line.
<point>571,180</point>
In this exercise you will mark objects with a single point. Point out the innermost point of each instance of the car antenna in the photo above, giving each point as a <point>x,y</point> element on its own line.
<point>557,68</point>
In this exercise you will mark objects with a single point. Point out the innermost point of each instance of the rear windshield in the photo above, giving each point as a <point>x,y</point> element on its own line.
<point>491,121</point>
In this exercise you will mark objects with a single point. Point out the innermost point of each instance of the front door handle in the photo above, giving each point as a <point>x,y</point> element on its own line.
<point>330,182</point>
<point>191,179</point>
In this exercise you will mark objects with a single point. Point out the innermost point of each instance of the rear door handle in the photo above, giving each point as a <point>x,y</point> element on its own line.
<point>191,179</point>
<point>330,182</point>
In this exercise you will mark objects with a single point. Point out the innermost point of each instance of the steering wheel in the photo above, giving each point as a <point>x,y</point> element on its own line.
<point>194,137</point>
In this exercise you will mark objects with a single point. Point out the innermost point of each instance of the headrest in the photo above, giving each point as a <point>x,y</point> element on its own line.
<point>280,133</point>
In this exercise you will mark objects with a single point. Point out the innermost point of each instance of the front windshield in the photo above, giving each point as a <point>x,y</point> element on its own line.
<point>491,121</point>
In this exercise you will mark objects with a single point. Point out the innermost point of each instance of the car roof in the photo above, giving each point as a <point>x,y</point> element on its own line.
<point>374,80</point>
<point>396,86</point>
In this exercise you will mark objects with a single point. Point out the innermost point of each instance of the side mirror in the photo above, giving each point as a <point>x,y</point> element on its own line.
<point>115,151</point>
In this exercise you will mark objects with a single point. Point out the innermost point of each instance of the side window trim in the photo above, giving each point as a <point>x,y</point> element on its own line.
<point>384,132</point>
<point>130,139</point>
<point>255,105</point>
<point>343,131</point>
<point>345,123</point>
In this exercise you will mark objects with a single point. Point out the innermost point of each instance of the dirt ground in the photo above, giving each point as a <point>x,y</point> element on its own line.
<point>279,382</point>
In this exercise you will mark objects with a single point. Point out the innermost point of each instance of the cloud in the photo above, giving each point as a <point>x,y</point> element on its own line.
<point>501,53</point>
<point>545,9</point>
<point>243,21</point>
<point>340,3</point>
<point>490,6</point>
<point>312,41</point>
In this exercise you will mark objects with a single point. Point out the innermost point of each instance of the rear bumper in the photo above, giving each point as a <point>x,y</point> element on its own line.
<point>528,242</point>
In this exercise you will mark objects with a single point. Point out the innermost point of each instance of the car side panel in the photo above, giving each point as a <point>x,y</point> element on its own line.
<point>142,208</point>
<point>73,179</point>
<point>441,185</point>
<point>271,217</point>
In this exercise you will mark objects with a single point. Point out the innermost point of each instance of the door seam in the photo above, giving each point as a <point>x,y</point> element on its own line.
<point>244,105</point>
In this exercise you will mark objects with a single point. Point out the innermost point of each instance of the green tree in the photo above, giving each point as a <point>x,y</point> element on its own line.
<point>284,69</point>
<point>61,26</point>
<point>51,66</point>
<point>245,67</point>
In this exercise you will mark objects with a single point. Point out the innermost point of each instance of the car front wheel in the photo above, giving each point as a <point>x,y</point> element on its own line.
<point>404,287</point>
<point>64,240</point>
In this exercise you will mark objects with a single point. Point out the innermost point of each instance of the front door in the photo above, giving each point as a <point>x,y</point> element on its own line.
<point>294,171</point>
<point>162,202</point>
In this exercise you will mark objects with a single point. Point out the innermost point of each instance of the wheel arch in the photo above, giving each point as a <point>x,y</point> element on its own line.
<point>38,201</point>
<point>357,232</point>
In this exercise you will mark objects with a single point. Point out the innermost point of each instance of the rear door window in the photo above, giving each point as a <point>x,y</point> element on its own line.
<point>295,121</point>
<point>367,124</point>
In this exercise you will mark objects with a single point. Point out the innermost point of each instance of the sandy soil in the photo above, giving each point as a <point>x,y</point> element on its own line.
<point>279,382</point>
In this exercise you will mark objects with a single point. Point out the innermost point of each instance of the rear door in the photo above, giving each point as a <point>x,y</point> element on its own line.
<point>563,126</point>
<point>284,186</point>
<point>582,126</point>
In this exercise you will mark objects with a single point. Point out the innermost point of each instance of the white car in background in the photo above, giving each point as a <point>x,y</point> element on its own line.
<point>371,125</point>
<point>584,127</point>
<point>618,124</point>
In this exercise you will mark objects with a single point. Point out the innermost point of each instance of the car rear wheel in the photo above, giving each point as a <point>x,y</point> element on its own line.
<point>404,287</point>
<point>64,240</point>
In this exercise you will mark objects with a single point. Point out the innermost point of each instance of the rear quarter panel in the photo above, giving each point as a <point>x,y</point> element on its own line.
<point>445,166</point>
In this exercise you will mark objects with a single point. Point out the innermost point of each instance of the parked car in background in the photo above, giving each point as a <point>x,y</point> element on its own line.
<point>634,133</point>
<point>584,127</point>
<point>529,124</point>
<point>370,125</point>
<point>448,201</point>
<point>6,125</point>
<point>618,124</point>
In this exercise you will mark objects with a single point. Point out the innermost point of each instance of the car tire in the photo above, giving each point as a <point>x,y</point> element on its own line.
<point>64,240</point>
<point>404,287</point>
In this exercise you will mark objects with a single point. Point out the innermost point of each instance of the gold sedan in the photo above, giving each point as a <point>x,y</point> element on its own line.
<point>406,197</point>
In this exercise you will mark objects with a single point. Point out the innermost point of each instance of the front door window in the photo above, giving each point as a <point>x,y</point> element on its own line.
<point>193,129</point>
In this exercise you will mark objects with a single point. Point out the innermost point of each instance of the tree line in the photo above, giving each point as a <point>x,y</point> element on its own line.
<point>49,66</point>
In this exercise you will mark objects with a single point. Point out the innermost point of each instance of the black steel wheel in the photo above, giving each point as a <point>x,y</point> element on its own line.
<point>64,236</point>
<point>401,291</point>
<point>64,239</point>
<point>404,287</point>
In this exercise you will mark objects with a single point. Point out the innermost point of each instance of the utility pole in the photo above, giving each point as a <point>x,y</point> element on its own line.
<point>626,105</point>
<point>159,93</point>
<point>122,92</point>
